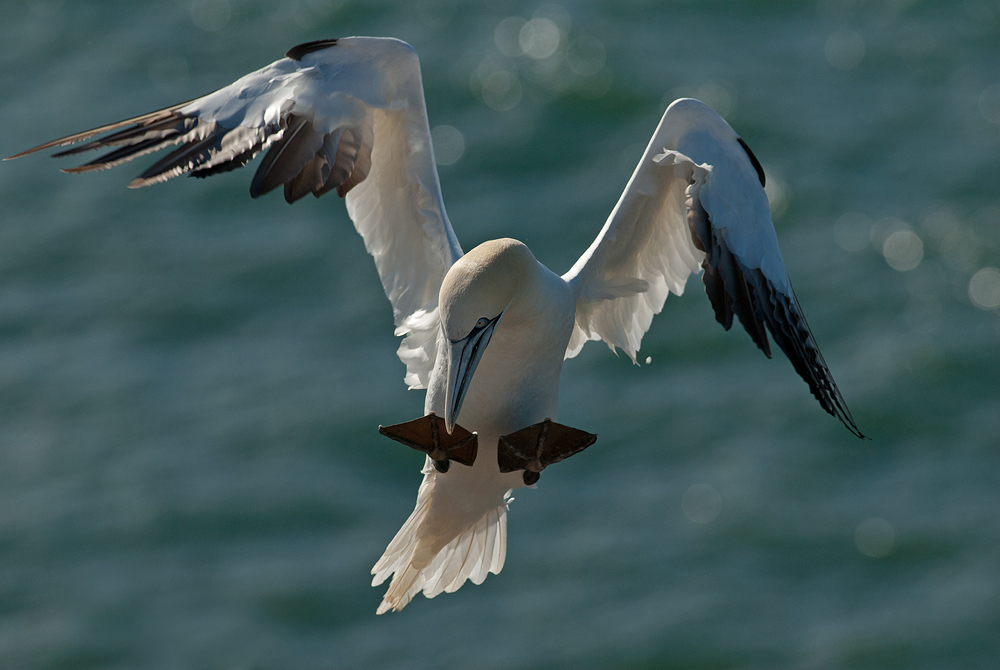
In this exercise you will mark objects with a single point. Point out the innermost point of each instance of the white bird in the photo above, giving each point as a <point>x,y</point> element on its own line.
<point>485,333</point>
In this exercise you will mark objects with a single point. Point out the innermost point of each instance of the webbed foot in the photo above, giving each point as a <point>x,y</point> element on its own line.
<point>536,447</point>
<point>428,434</point>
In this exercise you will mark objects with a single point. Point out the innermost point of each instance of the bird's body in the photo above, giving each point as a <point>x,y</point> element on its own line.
<point>485,333</point>
<point>461,513</point>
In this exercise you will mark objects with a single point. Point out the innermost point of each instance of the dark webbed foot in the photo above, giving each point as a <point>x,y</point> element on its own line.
<point>536,447</point>
<point>428,434</point>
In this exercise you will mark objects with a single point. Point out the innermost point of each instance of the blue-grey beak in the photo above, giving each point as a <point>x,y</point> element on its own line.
<point>463,357</point>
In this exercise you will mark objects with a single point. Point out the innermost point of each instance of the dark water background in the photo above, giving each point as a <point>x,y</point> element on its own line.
<point>190,381</point>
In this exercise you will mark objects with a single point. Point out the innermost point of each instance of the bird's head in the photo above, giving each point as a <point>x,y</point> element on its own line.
<point>475,294</point>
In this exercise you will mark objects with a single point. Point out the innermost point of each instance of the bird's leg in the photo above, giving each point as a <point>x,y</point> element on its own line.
<point>536,447</point>
<point>426,434</point>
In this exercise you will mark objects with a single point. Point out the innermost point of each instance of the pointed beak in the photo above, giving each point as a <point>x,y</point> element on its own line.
<point>463,357</point>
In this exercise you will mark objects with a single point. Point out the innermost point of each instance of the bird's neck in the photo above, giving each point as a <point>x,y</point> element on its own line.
<point>519,371</point>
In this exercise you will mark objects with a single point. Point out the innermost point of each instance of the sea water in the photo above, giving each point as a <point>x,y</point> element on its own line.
<point>191,380</point>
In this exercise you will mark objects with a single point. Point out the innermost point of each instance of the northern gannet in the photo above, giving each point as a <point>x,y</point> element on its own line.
<point>486,333</point>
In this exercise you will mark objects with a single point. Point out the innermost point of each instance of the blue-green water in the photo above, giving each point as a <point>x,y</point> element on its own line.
<point>190,381</point>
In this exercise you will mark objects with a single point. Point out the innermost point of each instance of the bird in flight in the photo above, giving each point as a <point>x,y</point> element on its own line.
<point>484,332</point>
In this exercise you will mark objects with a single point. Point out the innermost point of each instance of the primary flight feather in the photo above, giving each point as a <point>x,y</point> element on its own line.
<point>486,333</point>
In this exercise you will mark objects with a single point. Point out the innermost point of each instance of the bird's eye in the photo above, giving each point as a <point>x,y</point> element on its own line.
<point>482,323</point>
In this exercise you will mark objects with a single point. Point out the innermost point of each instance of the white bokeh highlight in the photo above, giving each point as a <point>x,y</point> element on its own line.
<point>875,537</point>
<point>449,144</point>
<point>844,49</point>
<point>984,289</point>
<point>701,503</point>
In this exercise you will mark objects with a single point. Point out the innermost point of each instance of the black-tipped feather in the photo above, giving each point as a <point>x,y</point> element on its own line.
<point>309,180</point>
<point>142,120</point>
<point>287,157</point>
<point>736,289</point>
<point>740,300</point>
<point>179,161</point>
<point>237,161</point>
<point>301,158</point>
<point>169,127</point>
<point>791,332</point>
<point>207,148</point>
<point>753,161</point>
<point>334,172</point>
<point>300,50</point>
<point>123,155</point>
<point>363,161</point>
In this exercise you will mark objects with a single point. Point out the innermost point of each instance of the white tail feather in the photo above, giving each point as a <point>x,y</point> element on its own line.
<point>411,559</point>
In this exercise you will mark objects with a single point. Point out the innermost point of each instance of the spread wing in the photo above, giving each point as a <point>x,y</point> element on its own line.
<point>343,115</point>
<point>696,201</point>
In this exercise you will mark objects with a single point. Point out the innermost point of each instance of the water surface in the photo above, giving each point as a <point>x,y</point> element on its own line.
<point>190,380</point>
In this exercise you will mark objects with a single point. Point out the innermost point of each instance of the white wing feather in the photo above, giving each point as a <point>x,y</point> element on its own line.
<point>696,199</point>
<point>345,114</point>
<point>644,251</point>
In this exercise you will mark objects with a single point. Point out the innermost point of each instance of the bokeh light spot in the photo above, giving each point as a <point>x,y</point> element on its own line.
<point>507,36</point>
<point>502,90</point>
<point>852,231</point>
<point>777,192</point>
<point>539,38</point>
<point>903,250</point>
<point>496,82</point>
<point>212,16</point>
<point>989,103</point>
<point>883,228</point>
<point>436,13</point>
<point>449,145</point>
<point>984,289</point>
<point>875,537</point>
<point>720,96</point>
<point>701,503</point>
<point>844,49</point>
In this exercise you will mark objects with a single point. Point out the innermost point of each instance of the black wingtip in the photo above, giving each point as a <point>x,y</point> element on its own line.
<point>737,290</point>
<point>141,121</point>
<point>725,284</point>
<point>297,52</point>
<point>791,332</point>
<point>753,160</point>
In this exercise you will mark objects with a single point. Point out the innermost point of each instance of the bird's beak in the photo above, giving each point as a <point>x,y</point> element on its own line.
<point>463,357</point>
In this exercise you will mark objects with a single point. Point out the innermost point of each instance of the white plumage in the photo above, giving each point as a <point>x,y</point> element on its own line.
<point>485,333</point>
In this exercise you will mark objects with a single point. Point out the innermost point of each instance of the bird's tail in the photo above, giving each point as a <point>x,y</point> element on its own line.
<point>426,555</point>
